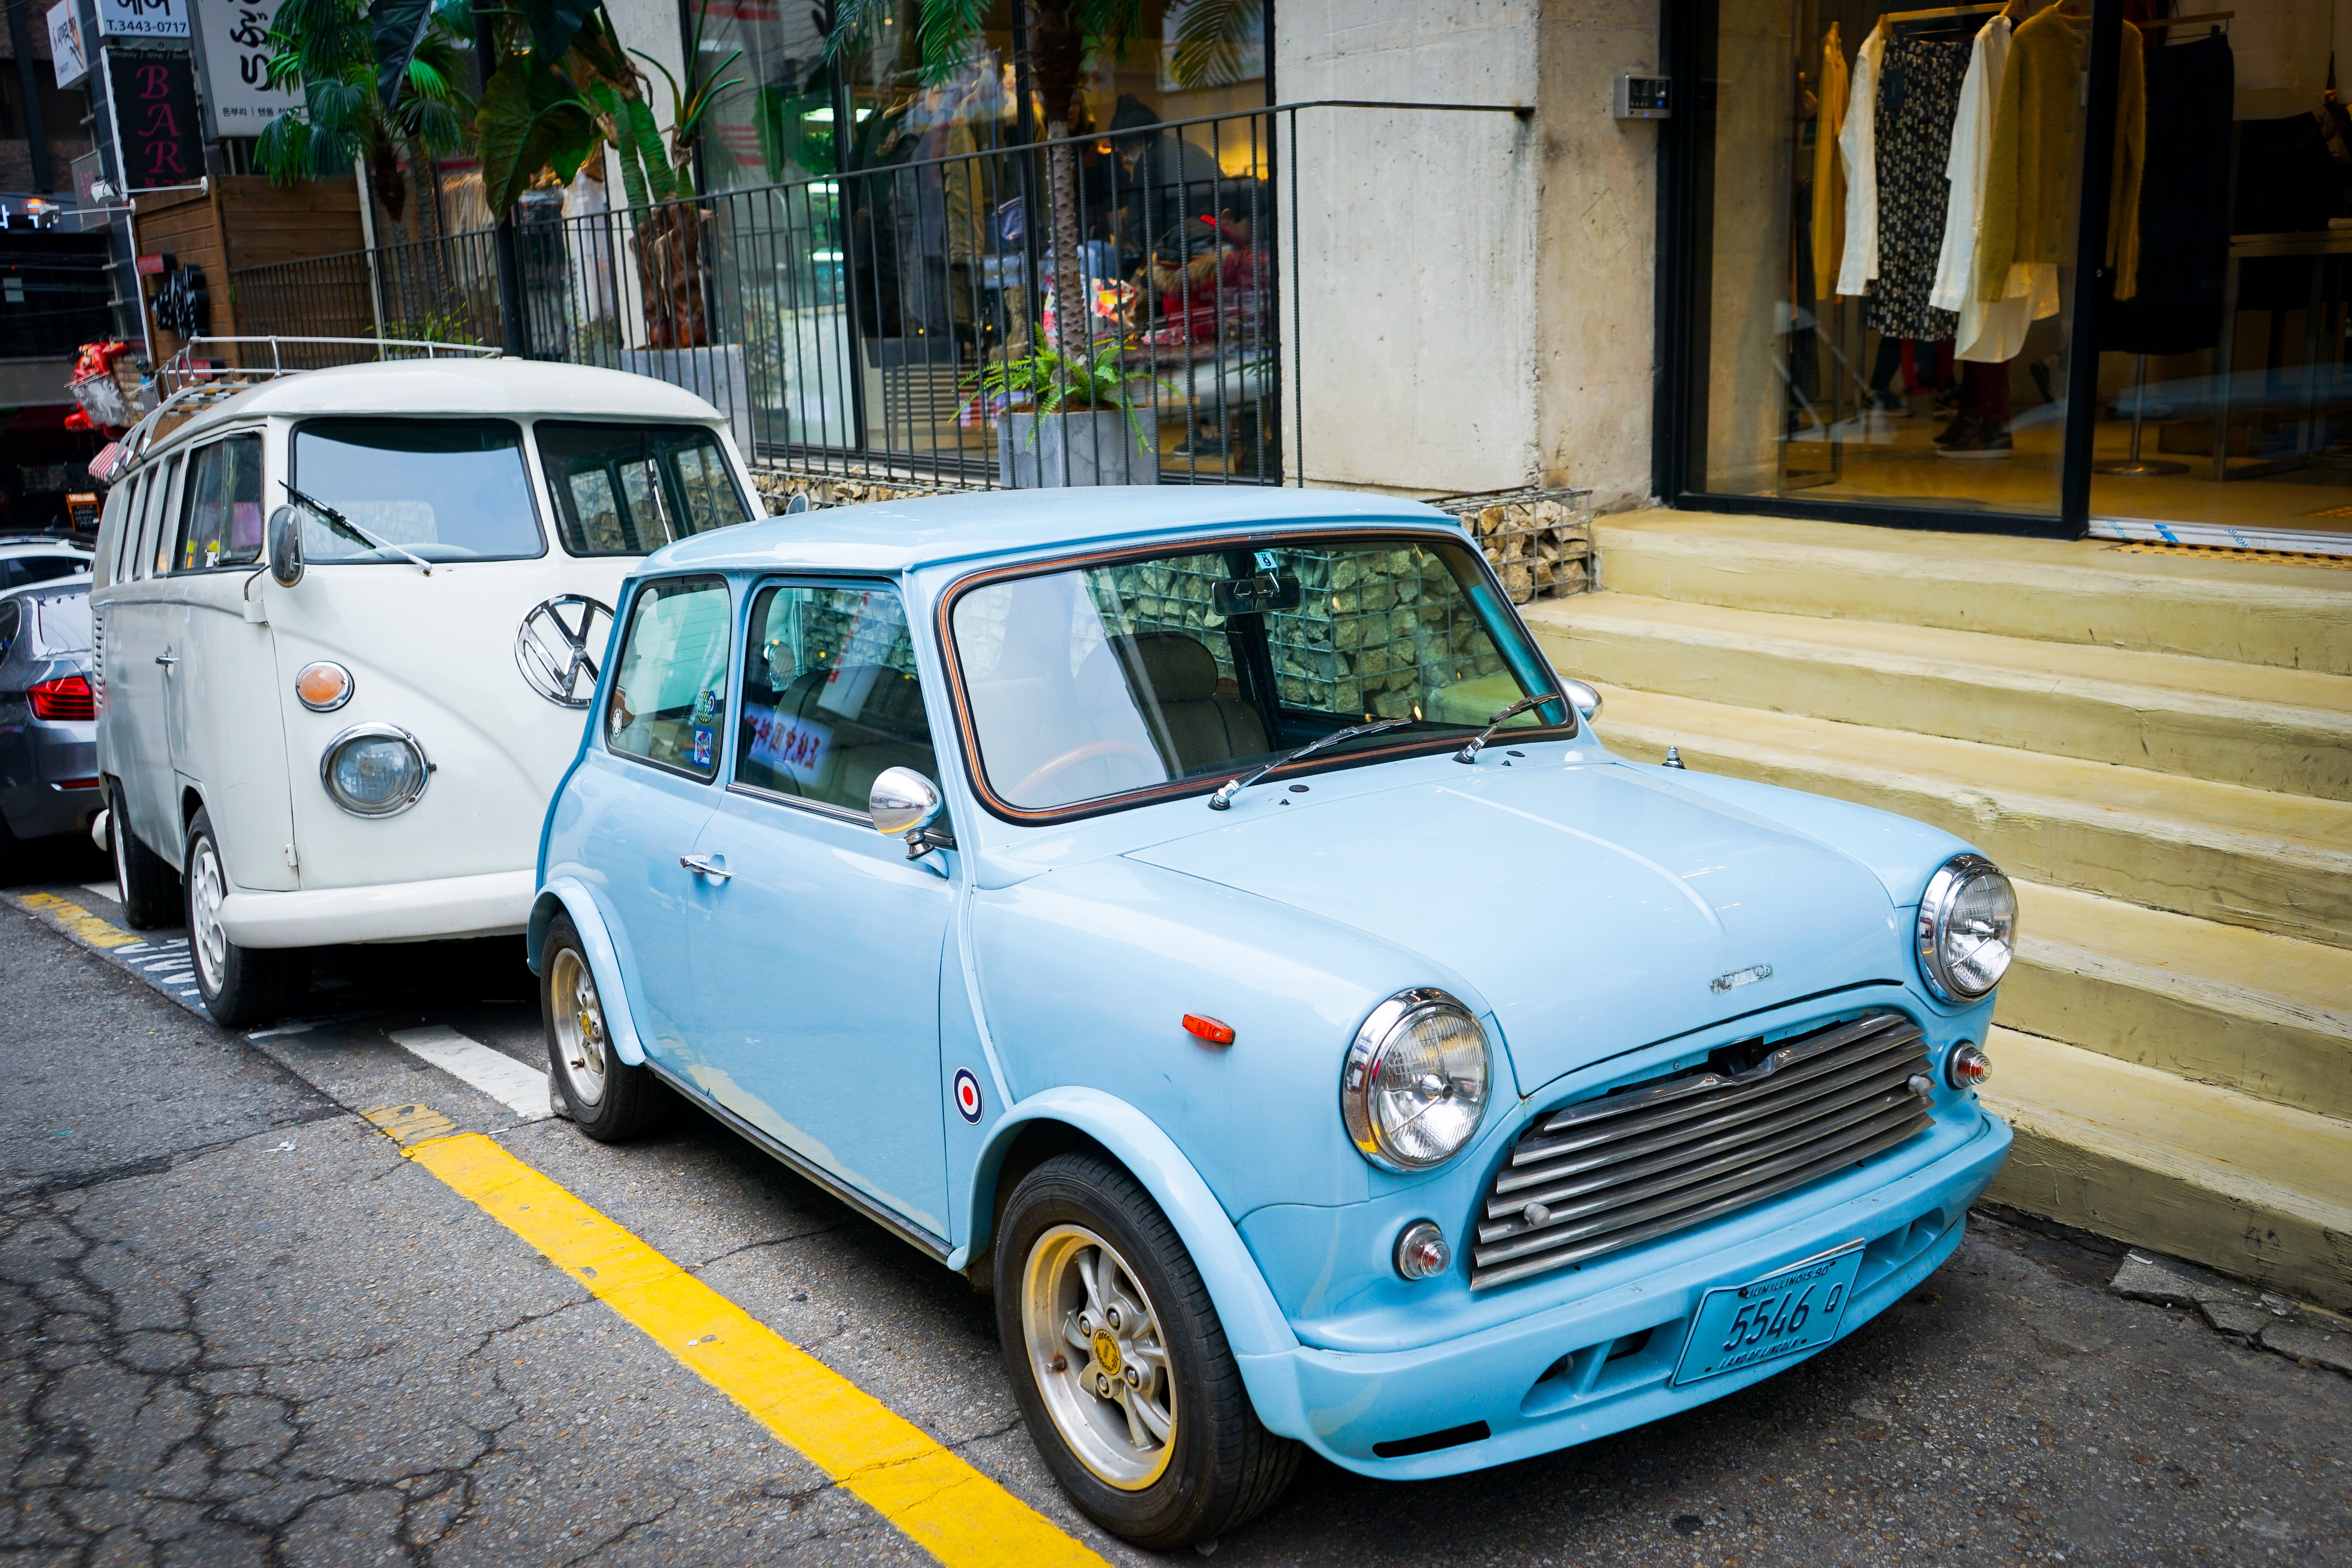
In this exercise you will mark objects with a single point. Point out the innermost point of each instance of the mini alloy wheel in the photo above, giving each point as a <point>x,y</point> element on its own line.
<point>1120,1363</point>
<point>1100,1360</point>
<point>605,1097</point>
<point>578,1021</point>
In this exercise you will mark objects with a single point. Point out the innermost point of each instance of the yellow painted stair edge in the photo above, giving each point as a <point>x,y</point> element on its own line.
<point>2254,1189</point>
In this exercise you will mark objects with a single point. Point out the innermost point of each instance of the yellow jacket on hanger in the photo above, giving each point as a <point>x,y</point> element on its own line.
<point>2030,186</point>
<point>1829,173</point>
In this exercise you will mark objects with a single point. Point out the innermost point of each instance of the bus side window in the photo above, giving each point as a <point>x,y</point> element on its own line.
<point>157,537</point>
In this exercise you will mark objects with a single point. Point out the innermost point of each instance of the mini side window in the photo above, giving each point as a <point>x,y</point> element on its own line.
<point>220,523</point>
<point>830,697</point>
<point>669,694</point>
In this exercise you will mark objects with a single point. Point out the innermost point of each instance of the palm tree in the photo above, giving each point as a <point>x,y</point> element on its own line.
<point>352,112</point>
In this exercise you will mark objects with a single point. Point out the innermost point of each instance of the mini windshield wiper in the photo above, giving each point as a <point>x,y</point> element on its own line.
<point>1223,799</point>
<point>1469,752</point>
<point>347,528</point>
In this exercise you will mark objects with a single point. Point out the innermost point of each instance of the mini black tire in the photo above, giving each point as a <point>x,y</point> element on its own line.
<point>242,987</point>
<point>143,880</point>
<point>1135,1403</point>
<point>605,1097</point>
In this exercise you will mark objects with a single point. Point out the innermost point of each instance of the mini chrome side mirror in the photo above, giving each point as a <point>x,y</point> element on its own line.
<point>902,802</point>
<point>1586,701</point>
<point>286,546</point>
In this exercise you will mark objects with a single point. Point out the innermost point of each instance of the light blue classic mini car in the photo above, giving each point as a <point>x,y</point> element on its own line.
<point>1204,918</point>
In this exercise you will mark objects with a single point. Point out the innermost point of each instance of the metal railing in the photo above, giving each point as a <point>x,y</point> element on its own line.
<point>884,324</point>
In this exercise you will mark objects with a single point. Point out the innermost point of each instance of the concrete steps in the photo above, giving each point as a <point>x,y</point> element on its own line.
<point>2219,851</point>
<point>2158,749</point>
<point>2283,730</point>
<point>2046,590</point>
<point>2244,1010</point>
<point>2254,1189</point>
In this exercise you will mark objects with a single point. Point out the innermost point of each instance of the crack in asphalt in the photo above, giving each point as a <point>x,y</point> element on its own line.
<point>223,1446</point>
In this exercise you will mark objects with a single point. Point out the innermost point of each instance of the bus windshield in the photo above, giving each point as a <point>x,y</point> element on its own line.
<point>628,489</point>
<point>447,490</point>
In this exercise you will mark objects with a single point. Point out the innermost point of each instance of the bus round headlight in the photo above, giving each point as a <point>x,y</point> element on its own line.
<point>374,770</point>
<point>1413,1089</point>
<point>1967,928</point>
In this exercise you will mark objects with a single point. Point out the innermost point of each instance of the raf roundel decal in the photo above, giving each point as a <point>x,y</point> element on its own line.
<point>967,1095</point>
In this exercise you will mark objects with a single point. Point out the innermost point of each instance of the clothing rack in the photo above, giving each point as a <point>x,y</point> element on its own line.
<point>1941,11</point>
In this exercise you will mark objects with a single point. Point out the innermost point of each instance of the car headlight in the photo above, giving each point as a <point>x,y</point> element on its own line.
<point>374,770</point>
<point>1413,1089</point>
<point>1967,928</point>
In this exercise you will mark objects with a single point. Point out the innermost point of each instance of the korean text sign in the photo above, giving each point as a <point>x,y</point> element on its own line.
<point>237,66</point>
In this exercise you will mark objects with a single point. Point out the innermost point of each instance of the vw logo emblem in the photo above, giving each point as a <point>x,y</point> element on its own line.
<point>558,645</point>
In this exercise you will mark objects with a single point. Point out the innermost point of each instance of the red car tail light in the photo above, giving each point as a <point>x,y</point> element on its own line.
<point>68,697</point>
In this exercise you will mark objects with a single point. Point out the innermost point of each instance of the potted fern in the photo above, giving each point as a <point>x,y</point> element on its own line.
<point>1072,418</point>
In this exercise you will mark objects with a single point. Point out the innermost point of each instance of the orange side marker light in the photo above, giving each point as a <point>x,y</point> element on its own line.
<point>1209,1029</point>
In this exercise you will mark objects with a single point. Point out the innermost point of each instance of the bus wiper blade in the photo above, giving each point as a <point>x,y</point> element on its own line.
<point>1469,752</point>
<point>348,529</point>
<point>1223,799</point>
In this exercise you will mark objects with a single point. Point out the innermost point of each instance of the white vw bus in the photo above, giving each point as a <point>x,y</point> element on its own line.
<point>348,623</point>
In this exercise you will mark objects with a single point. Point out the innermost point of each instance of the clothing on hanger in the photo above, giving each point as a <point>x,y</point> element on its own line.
<point>1858,153</point>
<point>1988,329</point>
<point>1919,87</point>
<point>2184,211</point>
<point>1829,177</point>
<point>2029,186</point>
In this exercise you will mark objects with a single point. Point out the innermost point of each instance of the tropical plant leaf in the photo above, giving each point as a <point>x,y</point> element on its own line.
<point>397,28</point>
<point>529,120</point>
<point>1210,39</point>
<point>945,31</point>
<point>554,23</point>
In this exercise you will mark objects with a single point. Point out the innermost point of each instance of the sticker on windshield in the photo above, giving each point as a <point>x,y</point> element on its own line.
<point>701,746</point>
<point>1265,562</point>
<point>967,1095</point>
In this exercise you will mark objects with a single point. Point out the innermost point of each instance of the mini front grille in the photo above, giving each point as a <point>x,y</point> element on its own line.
<point>1662,1156</point>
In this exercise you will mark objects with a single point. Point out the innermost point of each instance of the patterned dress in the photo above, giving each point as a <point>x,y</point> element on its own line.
<point>1918,98</point>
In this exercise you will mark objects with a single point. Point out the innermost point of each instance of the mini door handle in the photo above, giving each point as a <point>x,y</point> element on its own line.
<point>167,659</point>
<point>702,866</point>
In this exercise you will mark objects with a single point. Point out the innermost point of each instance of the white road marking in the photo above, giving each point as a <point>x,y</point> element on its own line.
<point>496,1074</point>
<point>281,1029</point>
<point>103,889</point>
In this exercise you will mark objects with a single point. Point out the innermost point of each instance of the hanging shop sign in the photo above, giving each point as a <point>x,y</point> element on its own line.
<point>142,18</point>
<point>66,53</point>
<point>154,102</point>
<point>234,40</point>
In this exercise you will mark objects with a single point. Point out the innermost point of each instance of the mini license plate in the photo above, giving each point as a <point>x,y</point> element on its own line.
<point>1780,1315</point>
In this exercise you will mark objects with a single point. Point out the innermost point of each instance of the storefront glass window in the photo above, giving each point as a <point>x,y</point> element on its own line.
<point>2224,398</point>
<point>1887,209</point>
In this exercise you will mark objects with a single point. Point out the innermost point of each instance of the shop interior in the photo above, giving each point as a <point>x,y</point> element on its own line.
<point>1908,214</point>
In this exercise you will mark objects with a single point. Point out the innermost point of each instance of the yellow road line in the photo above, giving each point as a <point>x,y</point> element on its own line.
<point>73,919</point>
<point>950,1509</point>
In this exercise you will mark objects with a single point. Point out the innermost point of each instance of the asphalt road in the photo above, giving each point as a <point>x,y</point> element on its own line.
<point>237,1326</point>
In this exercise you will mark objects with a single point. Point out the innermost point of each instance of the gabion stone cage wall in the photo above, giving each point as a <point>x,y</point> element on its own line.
<point>1539,537</point>
<point>1365,638</point>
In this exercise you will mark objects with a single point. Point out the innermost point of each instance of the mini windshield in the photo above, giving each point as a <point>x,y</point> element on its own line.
<point>448,489</point>
<point>1103,680</point>
<point>628,489</point>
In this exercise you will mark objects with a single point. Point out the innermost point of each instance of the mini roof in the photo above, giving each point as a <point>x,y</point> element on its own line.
<point>904,535</point>
<point>496,386</point>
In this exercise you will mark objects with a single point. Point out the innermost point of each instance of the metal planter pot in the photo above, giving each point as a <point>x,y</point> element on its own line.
<point>1089,447</point>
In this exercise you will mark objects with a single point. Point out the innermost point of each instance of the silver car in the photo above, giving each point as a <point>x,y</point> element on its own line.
<point>49,717</point>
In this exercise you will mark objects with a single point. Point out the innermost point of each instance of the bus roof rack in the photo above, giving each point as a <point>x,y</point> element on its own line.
<point>191,368</point>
